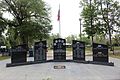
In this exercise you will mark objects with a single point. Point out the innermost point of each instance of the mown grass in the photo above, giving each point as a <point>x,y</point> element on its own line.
<point>117,48</point>
<point>116,55</point>
<point>68,49</point>
<point>4,57</point>
<point>116,52</point>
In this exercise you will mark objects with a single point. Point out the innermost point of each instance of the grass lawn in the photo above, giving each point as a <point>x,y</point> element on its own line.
<point>68,49</point>
<point>4,57</point>
<point>117,48</point>
<point>117,52</point>
<point>115,55</point>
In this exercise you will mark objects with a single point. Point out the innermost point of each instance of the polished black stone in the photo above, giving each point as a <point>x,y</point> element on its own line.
<point>59,49</point>
<point>100,52</point>
<point>40,51</point>
<point>19,54</point>
<point>78,50</point>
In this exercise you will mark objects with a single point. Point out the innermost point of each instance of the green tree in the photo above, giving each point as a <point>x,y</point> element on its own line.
<point>12,38</point>
<point>86,39</point>
<point>51,38</point>
<point>116,40</point>
<point>105,17</point>
<point>101,38</point>
<point>2,25</point>
<point>2,40</point>
<point>31,19</point>
<point>70,38</point>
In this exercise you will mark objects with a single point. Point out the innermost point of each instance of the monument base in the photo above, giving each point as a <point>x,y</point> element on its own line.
<point>75,61</point>
<point>101,63</point>
<point>62,60</point>
<point>81,61</point>
<point>25,63</point>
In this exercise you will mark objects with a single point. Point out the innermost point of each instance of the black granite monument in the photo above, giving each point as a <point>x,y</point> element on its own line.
<point>100,52</point>
<point>19,54</point>
<point>40,51</point>
<point>78,50</point>
<point>59,49</point>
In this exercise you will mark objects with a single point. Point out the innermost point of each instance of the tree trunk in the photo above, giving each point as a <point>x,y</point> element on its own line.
<point>25,41</point>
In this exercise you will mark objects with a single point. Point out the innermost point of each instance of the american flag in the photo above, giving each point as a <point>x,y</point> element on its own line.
<point>58,14</point>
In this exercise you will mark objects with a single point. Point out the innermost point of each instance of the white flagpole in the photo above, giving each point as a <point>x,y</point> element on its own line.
<point>59,23</point>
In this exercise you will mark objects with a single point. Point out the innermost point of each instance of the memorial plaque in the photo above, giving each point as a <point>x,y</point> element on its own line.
<point>19,54</point>
<point>59,46</point>
<point>59,67</point>
<point>100,52</point>
<point>78,50</point>
<point>40,51</point>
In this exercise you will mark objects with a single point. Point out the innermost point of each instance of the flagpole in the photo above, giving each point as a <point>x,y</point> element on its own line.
<point>59,23</point>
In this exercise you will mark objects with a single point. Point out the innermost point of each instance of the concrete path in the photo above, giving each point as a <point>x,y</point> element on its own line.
<point>73,71</point>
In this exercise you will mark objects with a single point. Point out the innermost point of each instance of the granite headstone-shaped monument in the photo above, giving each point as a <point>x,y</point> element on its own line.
<point>59,49</point>
<point>19,54</point>
<point>40,51</point>
<point>100,52</point>
<point>78,50</point>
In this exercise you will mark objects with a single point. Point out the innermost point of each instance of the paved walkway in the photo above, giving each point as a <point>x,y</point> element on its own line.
<point>73,71</point>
